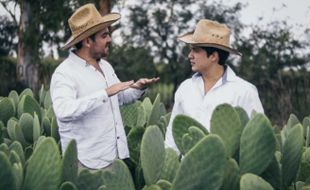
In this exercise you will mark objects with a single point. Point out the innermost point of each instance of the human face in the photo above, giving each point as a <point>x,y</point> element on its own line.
<point>198,59</point>
<point>99,47</point>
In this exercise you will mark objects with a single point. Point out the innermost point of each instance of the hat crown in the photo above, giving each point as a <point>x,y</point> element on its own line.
<point>212,32</point>
<point>83,18</point>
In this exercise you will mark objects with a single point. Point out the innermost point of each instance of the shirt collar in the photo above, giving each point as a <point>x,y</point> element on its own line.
<point>229,75</point>
<point>78,59</point>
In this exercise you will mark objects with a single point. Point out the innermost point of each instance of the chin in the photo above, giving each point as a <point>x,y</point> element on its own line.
<point>194,69</point>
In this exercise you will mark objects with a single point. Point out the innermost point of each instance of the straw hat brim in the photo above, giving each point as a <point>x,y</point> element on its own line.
<point>103,23</point>
<point>188,38</point>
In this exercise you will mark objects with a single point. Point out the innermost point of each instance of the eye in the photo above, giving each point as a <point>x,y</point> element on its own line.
<point>195,49</point>
<point>104,35</point>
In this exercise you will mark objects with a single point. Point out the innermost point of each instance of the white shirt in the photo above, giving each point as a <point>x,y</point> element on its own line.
<point>85,112</point>
<point>191,99</point>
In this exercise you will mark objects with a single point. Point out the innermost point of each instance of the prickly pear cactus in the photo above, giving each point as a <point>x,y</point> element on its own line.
<point>190,139</point>
<point>134,143</point>
<point>29,105</point>
<point>7,178</point>
<point>67,186</point>
<point>203,167</point>
<point>257,145</point>
<point>292,151</point>
<point>152,154</point>
<point>304,171</point>
<point>226,123</point>
<point>244,118</point>
<point>7,109</point>
<point>171,165</point>
<point>70,163</point>
<point>89,180</point>
<point>155,112</point>
<point>180,126</point>
<point>119,178</point>
<point>250,181</point>
<point>44,167</point>
<point>130,114</point>
<point>232,176</point>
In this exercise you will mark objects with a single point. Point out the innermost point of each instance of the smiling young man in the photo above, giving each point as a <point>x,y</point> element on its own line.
<point>86,92</point>
<point>214,83</point>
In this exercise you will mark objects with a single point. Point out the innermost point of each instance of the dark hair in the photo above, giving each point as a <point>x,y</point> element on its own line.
<point>80,43</point>
<point>223,55</point>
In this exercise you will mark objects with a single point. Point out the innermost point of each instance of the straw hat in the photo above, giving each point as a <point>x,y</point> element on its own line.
<point>86,21</point>
<point>210,34</point>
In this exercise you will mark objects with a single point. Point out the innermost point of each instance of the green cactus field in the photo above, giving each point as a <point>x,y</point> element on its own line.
<point>237,153</point>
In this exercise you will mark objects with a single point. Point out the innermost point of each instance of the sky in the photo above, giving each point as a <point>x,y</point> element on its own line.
<point>296,12</point>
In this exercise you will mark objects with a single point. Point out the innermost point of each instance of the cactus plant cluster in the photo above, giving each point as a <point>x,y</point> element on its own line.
<point>237,153</point>
<point>24,119</point>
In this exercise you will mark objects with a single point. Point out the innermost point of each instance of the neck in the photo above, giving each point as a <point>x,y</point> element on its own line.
<point>213,74</point>
<point>82,53</point>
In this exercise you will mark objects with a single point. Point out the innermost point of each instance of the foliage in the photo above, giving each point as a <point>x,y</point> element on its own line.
<point>132,63</point>
<point>7,36</point>
<point>8,74</point>
<point>272,60</point>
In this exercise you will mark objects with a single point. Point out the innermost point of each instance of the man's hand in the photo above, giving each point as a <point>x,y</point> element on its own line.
<point>116,88</point>
<point>144,83</point>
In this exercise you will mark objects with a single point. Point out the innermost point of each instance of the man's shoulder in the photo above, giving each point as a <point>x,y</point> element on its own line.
<point>64,66</point>
<point>245,85</point>
<point>186,83</point>
<point>106,64</point>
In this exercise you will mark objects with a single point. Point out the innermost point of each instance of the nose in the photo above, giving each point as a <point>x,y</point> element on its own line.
<point>190,55</point>
<point>109,39</point>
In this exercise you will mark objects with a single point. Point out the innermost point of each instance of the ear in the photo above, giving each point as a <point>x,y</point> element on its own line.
<point>215,56</point>
<point>87,42</point>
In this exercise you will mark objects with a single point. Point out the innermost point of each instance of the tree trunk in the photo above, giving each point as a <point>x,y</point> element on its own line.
<point>105,6</point>
<point>26,70</point>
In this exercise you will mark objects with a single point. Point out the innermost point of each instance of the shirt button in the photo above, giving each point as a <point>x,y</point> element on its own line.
<point>104,100</point>
<point>117,137</point>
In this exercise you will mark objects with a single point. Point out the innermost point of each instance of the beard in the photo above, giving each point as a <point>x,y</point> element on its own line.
<point>97,54</point>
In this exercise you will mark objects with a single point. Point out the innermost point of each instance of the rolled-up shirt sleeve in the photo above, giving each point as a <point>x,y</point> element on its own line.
<point>66,105</point>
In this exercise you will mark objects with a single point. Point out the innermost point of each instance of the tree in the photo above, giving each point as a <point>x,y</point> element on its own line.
<point>41,22</point>
<point>272,59</point>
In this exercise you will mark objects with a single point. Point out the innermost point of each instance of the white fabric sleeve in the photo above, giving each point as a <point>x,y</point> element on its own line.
<point>251,101</point>
<point>66,105</point>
